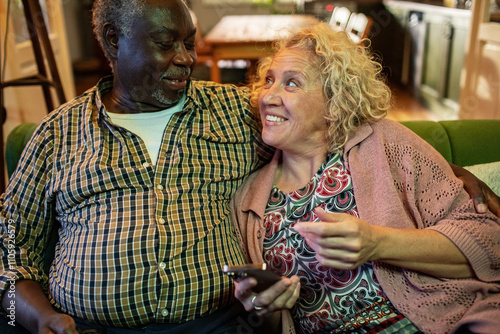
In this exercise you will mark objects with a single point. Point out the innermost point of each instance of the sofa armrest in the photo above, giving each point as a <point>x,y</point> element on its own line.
<point>15,144</point>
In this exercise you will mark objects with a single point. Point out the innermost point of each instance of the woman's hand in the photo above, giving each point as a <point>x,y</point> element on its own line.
<point>341,241</point>
<point>480,193</point>
<point>281,295</point>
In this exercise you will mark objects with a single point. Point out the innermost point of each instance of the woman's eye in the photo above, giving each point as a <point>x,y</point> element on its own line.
<point>292,83</point>
<point>268,82</point>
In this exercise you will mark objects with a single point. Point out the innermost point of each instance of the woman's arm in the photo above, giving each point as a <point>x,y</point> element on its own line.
<point>345,242</point>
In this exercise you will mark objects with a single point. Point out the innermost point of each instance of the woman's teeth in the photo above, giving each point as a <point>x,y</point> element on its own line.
<point>271,118</point>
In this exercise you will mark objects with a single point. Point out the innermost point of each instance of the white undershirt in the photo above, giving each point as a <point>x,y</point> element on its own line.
<point>148,126</point>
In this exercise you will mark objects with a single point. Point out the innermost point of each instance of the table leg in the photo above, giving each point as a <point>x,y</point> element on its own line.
<point>215,75</point>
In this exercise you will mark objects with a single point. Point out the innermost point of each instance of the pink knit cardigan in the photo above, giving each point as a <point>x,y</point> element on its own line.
<point>400,181</point>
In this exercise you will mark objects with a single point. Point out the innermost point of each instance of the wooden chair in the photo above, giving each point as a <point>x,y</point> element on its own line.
<point>358,27</point>
<point>340,17</point>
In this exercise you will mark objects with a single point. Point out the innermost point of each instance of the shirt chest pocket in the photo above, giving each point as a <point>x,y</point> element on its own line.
<point>92,177</point>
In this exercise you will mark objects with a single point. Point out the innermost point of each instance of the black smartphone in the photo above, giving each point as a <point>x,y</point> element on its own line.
<point>265,278</point>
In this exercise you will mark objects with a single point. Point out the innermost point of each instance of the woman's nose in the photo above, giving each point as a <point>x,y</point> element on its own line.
<point>271,95</point>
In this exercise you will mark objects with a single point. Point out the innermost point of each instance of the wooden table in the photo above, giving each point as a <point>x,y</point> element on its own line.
<point>250,36</point>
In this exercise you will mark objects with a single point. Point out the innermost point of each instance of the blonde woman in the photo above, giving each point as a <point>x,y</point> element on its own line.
<point>366,215</point>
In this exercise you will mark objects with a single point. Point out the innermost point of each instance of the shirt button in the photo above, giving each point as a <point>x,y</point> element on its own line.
<point>159,187</point>
<point>161,221</point>
<point>145,165</point>
<point>259,234</point>
<point>163,265</point>
<point>164,312</point>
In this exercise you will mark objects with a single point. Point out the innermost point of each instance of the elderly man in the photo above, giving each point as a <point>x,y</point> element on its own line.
<point>137,175</point>
<point>138,172</point>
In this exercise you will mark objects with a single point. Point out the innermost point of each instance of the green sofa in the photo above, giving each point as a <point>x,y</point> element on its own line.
<point>462,142</point>
<point>16,141</point>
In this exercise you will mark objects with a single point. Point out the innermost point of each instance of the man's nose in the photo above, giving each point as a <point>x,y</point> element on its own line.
<point>183,56</point>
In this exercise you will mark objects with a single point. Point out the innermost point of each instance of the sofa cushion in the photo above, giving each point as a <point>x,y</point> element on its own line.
<point>489,173</point>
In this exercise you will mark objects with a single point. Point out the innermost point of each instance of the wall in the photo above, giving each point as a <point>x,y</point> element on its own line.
<point>80,41</point>
<point>81,44</point>
<point>26,103</point>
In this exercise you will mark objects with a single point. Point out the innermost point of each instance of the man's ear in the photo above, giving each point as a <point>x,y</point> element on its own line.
<point>110,39</point>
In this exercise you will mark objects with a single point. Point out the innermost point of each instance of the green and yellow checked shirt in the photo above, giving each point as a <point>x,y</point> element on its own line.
<point>138,243</point>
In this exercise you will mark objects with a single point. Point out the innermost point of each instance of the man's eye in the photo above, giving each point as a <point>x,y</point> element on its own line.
<point>166,45</point>
<point>190,45</point>
<point>292,83</point>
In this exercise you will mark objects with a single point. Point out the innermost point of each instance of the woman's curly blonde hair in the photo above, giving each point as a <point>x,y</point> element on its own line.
<point>354,88</point>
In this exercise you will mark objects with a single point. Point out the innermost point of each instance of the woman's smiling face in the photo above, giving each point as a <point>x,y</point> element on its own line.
<point>292,103</point>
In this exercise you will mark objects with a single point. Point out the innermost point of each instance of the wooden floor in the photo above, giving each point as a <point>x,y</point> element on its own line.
<point>405,106</point>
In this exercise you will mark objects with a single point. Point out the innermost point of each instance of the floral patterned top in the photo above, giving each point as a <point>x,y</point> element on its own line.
<point>331,301</point>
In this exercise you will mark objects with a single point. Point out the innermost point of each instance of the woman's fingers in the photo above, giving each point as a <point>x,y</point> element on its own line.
<point>282,294</point>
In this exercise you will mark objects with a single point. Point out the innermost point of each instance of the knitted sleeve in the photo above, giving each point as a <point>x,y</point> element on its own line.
<point>402,182</point>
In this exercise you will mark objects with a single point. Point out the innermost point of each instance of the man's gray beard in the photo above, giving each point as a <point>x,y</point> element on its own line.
<point>162,98</point>
<point>138,94</point>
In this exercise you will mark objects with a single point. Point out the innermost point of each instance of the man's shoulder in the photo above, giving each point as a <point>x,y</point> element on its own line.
<point>209,88</point>
<point>78,105</point>
<point>224,99</point>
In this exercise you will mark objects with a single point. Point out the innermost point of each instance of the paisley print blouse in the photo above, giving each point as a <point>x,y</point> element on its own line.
<point>331,301</point>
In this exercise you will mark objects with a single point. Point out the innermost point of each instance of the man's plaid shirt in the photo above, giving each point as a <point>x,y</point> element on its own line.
<point>138,243</point>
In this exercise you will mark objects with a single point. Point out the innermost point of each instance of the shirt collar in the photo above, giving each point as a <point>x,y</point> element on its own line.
<point>103,86</point>
<point>192,100</point>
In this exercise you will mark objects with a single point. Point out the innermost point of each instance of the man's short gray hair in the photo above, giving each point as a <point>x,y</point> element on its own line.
<point>120,13</point>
